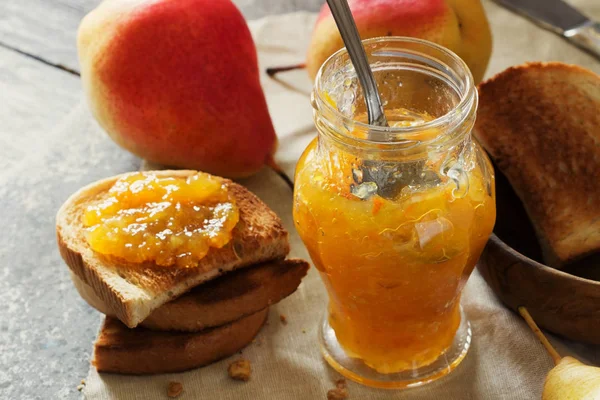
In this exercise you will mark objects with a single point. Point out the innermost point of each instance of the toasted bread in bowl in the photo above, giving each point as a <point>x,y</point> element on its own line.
<point>565,302</point>
<point>540,123</point>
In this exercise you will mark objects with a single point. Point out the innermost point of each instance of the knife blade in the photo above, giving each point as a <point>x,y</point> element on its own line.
<point>562,19</point>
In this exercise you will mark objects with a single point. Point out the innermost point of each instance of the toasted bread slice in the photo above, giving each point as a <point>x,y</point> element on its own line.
<point>133,291</point>
<point>540,122</point>
<point>122,350</point>
<point>219,301</point>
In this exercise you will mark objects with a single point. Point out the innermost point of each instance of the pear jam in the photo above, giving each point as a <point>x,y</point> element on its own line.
<point>395,218</point>
<point>166,220</point>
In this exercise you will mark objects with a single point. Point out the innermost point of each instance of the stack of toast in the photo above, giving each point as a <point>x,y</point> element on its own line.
<point>166,319</point>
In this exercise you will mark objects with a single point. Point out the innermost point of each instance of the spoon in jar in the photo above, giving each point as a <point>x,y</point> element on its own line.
<point>374,176</point>
<point>347,27</point>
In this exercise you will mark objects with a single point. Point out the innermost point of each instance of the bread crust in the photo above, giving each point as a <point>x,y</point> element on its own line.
<point>133,291</point>
<point>142,351</point>
<point>220,301</point>
<point>540,122</point>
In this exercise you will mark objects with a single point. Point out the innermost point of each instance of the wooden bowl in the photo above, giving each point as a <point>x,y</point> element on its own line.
<point>564,302</point>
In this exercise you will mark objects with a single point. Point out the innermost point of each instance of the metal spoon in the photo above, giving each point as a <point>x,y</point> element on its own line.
<point>347,27</point>
<point>374,176</point>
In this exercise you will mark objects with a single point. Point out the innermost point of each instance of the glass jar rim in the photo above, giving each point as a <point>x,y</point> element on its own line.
<point>468,96</point>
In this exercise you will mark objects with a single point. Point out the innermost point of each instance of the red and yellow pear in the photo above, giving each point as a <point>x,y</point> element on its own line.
<point>459,25</point>
<point>177,83</point>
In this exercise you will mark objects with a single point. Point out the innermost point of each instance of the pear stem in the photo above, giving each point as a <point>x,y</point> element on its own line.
<point>270,162</point>
<point>275,70</point>
<point>542,338</point>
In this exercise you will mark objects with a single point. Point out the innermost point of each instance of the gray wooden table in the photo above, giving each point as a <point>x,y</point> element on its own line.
<point>46,330</point>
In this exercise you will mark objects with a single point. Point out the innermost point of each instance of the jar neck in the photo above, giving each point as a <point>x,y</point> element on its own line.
<point>427,87</point>
<point>445,139</point>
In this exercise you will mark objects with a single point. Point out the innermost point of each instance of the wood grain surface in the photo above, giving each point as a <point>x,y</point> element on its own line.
<point>48,28</point>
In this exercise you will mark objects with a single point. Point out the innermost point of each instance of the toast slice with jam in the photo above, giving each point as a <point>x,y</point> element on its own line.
<point>132,291</point>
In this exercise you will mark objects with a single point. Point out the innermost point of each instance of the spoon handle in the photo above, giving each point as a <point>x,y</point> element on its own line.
<point>347,27</point>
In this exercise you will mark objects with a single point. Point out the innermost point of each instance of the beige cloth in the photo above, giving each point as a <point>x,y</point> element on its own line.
<point>505,360</point>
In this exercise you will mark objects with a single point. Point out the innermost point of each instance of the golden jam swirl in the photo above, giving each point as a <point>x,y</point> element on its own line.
<point>170,221</point>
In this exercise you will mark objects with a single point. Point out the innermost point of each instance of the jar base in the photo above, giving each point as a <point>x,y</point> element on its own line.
<point>356,370</point>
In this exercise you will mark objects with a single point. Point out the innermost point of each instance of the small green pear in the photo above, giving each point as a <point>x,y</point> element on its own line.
<point>572,380</point>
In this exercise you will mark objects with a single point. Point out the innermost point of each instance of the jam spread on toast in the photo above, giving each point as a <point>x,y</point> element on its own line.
<point>165,220</point>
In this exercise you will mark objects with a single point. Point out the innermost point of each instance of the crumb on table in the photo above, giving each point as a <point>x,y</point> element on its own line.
<point>340,383</point>
<point>337,394</point>
<point>240,370</point>
<point>283,319</point>
<point>174,389</point>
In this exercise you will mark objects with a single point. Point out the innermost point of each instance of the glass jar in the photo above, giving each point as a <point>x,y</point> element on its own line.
<point>395,218</point>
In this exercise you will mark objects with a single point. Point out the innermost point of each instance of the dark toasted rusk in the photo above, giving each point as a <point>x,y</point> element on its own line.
<point>230,297</point>
<point>138,351</point>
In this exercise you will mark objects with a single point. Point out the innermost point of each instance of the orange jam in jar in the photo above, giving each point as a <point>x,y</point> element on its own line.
<point>166,220</point>
<point>396,218</point>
